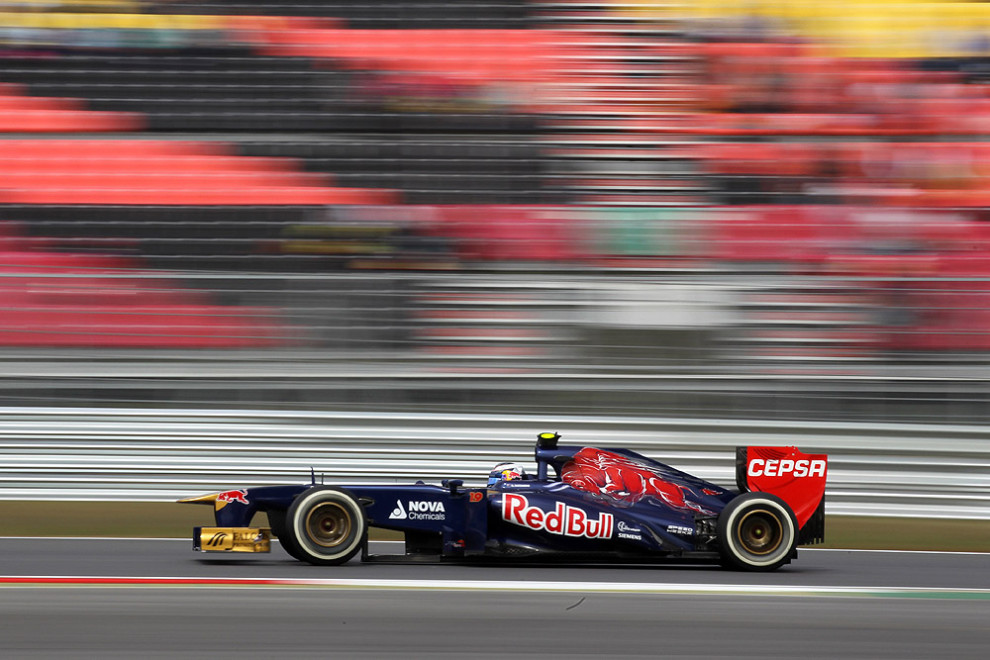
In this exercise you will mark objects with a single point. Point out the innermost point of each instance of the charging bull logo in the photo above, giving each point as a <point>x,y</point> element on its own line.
<point>223,499</point>
<point>564,520</point>
<point>624,478</point>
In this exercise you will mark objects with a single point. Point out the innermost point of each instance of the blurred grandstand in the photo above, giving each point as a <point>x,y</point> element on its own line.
<point>497,189</point>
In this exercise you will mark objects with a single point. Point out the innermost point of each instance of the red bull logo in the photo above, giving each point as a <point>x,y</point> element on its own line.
<point>564,520</point>
<point>239,496</point>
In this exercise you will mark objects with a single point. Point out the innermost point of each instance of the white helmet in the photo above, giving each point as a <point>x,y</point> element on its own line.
<point>506,472</point>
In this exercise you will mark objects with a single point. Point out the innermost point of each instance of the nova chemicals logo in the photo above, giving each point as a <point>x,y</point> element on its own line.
<point>418,510</point>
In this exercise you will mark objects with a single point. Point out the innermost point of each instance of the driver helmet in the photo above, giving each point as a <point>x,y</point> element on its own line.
<point>506,472</point>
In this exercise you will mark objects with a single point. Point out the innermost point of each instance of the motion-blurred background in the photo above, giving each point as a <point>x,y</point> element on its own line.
<point>282,232</point>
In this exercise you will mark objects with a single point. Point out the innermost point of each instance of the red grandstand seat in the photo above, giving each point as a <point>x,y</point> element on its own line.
<point>102,301</point>
<point>513,55</point>
<point>512,233</point>
<point>20,113</point>
<point>138,172</point>
<point>795,234</point>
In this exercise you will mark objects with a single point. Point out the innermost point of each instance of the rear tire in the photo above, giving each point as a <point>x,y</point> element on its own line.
<point>326,526</point>
<point>757,532</point>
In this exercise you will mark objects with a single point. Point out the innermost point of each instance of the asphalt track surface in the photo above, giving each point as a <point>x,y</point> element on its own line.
<point>100,598</point>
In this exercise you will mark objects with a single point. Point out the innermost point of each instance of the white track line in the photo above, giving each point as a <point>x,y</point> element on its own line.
<point>50,581</point>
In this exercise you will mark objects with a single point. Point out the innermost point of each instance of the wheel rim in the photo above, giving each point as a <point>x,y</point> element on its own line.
<point>760,532</point>
<point>328,525</point>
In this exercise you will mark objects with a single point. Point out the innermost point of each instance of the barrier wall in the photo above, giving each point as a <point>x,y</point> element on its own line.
<point>152,455</point>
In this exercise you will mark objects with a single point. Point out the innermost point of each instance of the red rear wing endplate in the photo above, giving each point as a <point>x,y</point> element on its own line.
<point>793,476</point>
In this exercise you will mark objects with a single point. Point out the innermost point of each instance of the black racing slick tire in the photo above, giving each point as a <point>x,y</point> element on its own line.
<point>326,526</point>
<point>757,532</point>
<point>277,521</point>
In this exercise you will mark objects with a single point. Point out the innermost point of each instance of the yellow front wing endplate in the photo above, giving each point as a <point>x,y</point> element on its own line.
<point>232,539</point>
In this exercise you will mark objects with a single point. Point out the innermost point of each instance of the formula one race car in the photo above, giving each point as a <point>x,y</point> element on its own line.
<point>583,504</point>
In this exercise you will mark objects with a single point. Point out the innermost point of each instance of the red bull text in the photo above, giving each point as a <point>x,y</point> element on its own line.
<point>564,520</point>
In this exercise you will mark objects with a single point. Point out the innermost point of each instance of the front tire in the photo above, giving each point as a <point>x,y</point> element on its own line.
<point>277,521</point>
<point>757,532</point>
<point>325,526</point>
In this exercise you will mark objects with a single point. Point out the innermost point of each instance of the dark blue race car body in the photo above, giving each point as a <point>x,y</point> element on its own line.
<point>583,504</point>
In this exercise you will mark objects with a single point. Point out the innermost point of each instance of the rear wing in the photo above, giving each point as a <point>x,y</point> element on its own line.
<point>793,476</point>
